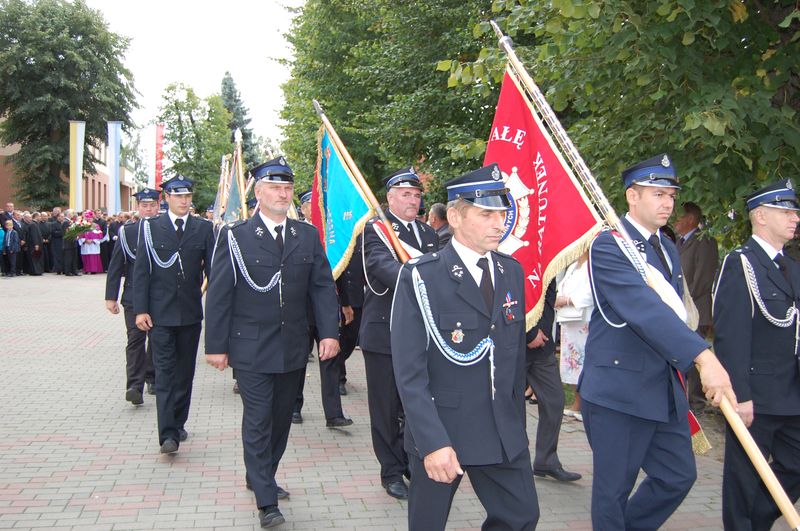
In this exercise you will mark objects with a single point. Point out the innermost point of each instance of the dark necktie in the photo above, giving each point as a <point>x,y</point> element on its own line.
<point>487,290</point>
<point>781,261</point>
<point>656,243</point>
<point>279,236</point>
<point>179,224</point>
<point>410,227</point>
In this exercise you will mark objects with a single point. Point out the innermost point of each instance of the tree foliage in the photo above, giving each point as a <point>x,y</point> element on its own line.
<point>58,62</point>
<point>196,136</point>
<point>372,65</point>
<point>232,100</point>
<point>714,83</point>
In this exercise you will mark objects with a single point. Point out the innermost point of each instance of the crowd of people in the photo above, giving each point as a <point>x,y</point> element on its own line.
<point>65,242</point>
<point>448,360</point>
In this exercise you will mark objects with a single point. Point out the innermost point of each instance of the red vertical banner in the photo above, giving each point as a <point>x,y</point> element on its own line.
<point>159,154</point>
<point>551,221</point>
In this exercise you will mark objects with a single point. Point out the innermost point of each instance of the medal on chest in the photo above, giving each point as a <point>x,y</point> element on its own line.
<point>507,307</point>
<point>458,335</point>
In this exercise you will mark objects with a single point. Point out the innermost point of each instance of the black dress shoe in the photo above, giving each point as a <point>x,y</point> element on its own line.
<point>134,396</point>
<point>559,474</point>
<point>297,418</point>
<point>338,422</point>
<point>183,434</point>
<point>150,387</point>
<point>342,389</point>
<point>170,446</point>
<point>397,489</point>
<point>282,493</point>
<point>270,516</point>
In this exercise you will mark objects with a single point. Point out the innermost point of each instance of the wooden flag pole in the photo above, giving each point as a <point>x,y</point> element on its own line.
<point>607,211</point>
<point>402,255</point>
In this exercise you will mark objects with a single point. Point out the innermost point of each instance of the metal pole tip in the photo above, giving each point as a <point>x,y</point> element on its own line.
<point>317,107</point>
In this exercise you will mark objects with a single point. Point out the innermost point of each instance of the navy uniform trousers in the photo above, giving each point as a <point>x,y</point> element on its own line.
<point>385,408</point>
<point>634,407</point>
<point>762,362</point>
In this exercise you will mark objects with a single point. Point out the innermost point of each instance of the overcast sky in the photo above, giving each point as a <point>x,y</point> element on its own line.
<point>197,42</point>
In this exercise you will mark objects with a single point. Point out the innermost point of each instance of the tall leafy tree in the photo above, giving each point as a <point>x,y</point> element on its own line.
<point>58,62</point>
<point>232,100</point>
<point>133,159</point>
<point>196,136</point>
<point>714,83</point>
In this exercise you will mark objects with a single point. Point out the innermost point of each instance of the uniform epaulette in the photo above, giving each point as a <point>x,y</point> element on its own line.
<point>237,224</point>
<point>423,259</point>
<point>504,255</point>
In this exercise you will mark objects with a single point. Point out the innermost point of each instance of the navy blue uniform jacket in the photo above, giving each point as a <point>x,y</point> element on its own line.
<point>268,332</point>
<point>759,357</point>
<point>631,367</point>
<point>170,297</point>
<point>121,265</point>
<point>381,273</point>
<point>451,405</point>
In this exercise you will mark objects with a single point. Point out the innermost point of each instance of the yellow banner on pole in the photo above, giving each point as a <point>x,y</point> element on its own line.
<point>77,130</point>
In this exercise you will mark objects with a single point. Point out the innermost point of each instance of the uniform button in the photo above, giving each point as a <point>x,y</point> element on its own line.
<point>616,362</point>
<point>282,323</point>
<point>434,255</point>
<point>491,327</point>
<point>458,325</point>
<point>238,333</point>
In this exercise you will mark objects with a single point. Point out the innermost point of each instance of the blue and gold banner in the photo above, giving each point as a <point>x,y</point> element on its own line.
<point>339,207</point>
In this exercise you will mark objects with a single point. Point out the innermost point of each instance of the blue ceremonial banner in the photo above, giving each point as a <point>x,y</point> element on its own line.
<point>339,207</point>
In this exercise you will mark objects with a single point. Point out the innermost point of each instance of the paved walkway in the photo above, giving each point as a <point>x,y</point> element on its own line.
<point>75,455</point>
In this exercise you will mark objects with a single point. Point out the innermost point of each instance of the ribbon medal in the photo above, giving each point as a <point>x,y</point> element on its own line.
<point>509,313</point>
<point>457,336</point>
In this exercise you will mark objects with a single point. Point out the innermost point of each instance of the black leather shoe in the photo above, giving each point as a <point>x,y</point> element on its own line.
<point>342,389</point>
<point>170,446</point>
<point>297,418</point>
<point>338,422</point>
<point>183,434</point>
<point>397,489</point>
<point>150,387</point>
<point>559,474</point>
<point>134,396</point>
<point>270,517</point>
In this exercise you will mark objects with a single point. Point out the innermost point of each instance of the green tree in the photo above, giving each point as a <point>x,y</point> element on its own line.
<point>232,100</point>
<point>132,158</point>
<point>372,65</point>
<point>714,83</point>
<point>196,136</point>
<point>58,62</point>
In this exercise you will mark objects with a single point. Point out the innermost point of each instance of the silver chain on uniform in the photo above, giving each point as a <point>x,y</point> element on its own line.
<point>123,242</point>
<point>151,252</point>
<point>465,359</point>
<point>752,284</point>
<point>236,254</point>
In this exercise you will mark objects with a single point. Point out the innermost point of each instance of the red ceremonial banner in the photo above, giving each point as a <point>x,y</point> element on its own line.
<point>159,154</point>
<point>551,221</point>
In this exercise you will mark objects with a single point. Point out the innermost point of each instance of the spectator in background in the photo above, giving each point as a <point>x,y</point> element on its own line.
<point>437,218</point>
<point>90,242</point>
<point>574,306</point>
<point>57,240</point>
<point>699,260</point>
<point>10,249</point>
<point>32,235</point>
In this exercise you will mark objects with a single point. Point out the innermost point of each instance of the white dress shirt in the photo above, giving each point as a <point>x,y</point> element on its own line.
<point>470,259</point>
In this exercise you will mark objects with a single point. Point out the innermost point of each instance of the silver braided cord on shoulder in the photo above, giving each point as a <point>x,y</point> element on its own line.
<point>123,242</point>
<point>151,252</point>
<point>236,254</point>
<point>752,285</point>
<point>364,258</point>
<point>594,290</point>
<point>484,347</point>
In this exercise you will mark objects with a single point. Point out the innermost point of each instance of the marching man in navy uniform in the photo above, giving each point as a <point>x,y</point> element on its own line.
<point>173,253</point>
<point>139,359</point>
<point>404,194</point>
<point>266,270</point>
<point>632,397</point>
<point>458,343</point>
<point>755,324</point>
